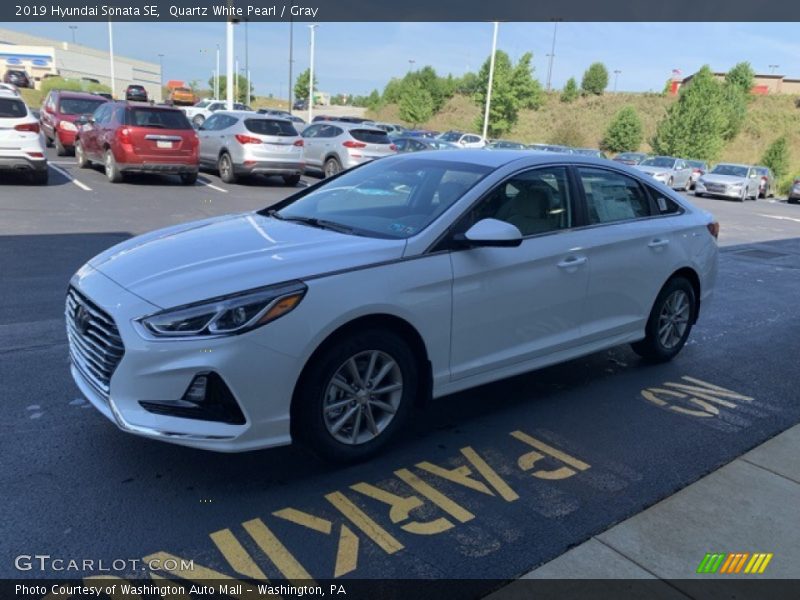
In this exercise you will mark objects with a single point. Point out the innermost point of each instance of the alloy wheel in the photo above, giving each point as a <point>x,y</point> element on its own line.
<point>362,397</point>
<point>674,319</point>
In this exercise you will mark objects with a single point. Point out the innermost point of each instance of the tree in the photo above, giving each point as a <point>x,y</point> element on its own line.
<point>624,133</point>
<point>741,76</point>
<point>570,92</point>
<point>242,87</point>
<point>513,88</point>
<point>694,125</point>
<point>301,85</point>
<point>776,157</point>
<point>595,79</point>
<point>736,95</point>
<point>416,104</point>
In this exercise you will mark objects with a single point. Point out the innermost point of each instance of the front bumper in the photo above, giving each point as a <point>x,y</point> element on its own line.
<point>260,378</point>
<point>727,192</point>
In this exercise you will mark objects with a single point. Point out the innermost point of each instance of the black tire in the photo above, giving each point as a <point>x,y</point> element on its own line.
<point>48,141</point>
<point>40,177</point>
<point>80,155</point>
<point>331,167</point>
<point>188,178</point>
<point>61,150</point>
<point>291,180</point>
<point>308,421</point>
<point>651,347</point>
<point>225,168</point>
<point>113,174</point>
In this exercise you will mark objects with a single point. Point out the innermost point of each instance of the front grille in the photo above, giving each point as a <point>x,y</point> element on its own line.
<point>716,187</point>
<point>95,345</point>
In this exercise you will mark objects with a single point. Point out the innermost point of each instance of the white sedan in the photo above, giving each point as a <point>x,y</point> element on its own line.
<point>325,318</point>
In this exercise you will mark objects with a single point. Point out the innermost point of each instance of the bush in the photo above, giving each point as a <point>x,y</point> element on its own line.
<point>570,92</point>
<point>776,157</point>
<point>595,79</point>
<point>784,185</point>
<point>60,83</point>
<point>568,133</point>
<point>624,133</point>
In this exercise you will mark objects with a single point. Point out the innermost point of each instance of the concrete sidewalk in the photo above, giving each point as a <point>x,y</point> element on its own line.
<point>750,505</point>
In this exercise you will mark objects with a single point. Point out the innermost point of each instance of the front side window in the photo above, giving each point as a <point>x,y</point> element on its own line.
<point>612,196</point>
<point>385,199</point>
<point>535,202</point>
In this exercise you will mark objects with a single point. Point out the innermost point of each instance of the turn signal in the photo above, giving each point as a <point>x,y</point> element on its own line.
<point>281,307</point>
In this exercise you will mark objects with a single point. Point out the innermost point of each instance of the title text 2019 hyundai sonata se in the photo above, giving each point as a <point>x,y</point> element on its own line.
<point>324,318</point>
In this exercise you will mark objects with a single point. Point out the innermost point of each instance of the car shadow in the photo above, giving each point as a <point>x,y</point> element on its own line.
<point>54,177</point>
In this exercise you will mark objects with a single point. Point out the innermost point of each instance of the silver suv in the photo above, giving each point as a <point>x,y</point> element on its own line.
<point>332,146</point>
<point>237,143</point>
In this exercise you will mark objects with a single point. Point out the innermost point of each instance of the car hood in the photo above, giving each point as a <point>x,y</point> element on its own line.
<point>653,170</point>
<point>205,259</point>
<point>727,179</point>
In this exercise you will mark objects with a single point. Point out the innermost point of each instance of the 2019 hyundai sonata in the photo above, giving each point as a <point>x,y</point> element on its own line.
<point>324,318</point>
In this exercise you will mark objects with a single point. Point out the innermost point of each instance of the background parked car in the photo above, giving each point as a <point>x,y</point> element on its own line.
<point>182,96</point>
<point>739,182</point>
<point>18,78</point>
<point>245,143</point>
<point>699,168</point>
<point>300,105</point>
<point>136,93</point>
<point>127,138</point>
<point>105,95</point>
<point>198,113</point>
<point>550,148</point>
<point>589,152</point>
<point>392,128</point>
<point>344,119</point>
<point>794,192</point>
<point>506,145</point>
<point>672,172</point>
<point>412,144</point>
<point>766,187</point>
<point>335,146</point>
<point>630,158</point>
<point>422,133</point>
<point>22,146</point>
<point>59,112</point>
<point>283,114</point>
<point>465,140</point>
<point>10,88</point>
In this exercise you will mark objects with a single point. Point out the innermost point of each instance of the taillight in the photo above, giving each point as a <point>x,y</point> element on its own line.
<point>392,147</point>
<point>352,144</point>
<point>124,136</point>
<point>247,139</point>
<point>697,171</point>
<point>32,127</point>
<point>299,143</point>
<point>713,229</point>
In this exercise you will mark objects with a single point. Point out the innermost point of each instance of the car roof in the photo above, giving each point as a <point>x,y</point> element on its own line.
<point>498,158</point>
<point>250,114</point>
<point>76,94</point>
<point>728,164</point>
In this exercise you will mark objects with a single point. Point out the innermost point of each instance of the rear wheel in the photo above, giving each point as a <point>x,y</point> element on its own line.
<point>113,174</point>
<point>291,180</point>
<point>670,321</point>
<point>188,178</point>
<point>225,168</point>
<point>332,167</point>
<point>80,155</point>
<point>40,177</point>
<point>670,183</point>
<point>355,395</point>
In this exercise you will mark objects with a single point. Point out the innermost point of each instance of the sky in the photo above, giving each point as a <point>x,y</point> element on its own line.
<point>358,57</point>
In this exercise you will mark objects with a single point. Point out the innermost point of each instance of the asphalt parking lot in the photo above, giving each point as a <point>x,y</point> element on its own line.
<point>485,484</point>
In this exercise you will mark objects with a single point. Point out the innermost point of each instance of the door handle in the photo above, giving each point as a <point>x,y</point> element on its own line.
<point>572,261</point>
<point>658,243</point>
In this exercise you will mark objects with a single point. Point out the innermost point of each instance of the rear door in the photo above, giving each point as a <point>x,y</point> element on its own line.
<point>160,135</point>
<point>376,143</point>
<point>313,145</point>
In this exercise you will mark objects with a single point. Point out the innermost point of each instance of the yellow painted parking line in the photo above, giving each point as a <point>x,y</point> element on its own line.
<point>452,508</point>
<point>63,172</point>
<point>277,552</point>
<point>236,555</point>
<point>527,461</point>
<point>305,519</point>
<point>762,567</point>
<point>360,519</point>
<point>401,508</point>
<point>347,553</point>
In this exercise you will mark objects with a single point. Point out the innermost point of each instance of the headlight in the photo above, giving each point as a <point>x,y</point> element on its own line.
<point>660,175</point>
<point>67,126</point>
<point>736,185</point>
<point>227,315</point>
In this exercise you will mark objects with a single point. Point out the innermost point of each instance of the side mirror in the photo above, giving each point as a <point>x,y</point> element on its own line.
<point>490,233</point>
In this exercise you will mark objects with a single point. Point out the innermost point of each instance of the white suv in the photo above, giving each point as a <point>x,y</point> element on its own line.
<point>22,146</point>
<point>198,113</point>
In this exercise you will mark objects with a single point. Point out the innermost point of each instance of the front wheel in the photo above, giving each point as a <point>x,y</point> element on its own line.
<point>670,322</point>
<point>355,395</point>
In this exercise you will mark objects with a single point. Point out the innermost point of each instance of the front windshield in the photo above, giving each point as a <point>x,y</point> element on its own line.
<point>392,199</point>
<point>658,161</point>
<point>733,170</point>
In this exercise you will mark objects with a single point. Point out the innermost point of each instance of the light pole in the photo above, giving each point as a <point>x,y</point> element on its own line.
<point>247,60</point>
<point>236,97</point>
<point>74,28</point>
<point>216,77</point>
<point>161,73</point>
<point>491,80</point>
<point>616,76</point>
<point>229,64</point>
<point>291,62</point>
<point>411,62</point>
<point>772,68</point>
<point>552,55</point>
<point>313,30</point>
<point>111,57</point>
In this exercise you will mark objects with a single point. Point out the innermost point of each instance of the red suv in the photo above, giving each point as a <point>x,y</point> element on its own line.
<point>59,113</point>
<point>129,138</point>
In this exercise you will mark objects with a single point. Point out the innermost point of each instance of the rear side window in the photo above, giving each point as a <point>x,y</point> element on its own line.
<point>157,118</point>
<point>12,109</point>
<point>370,136</point>
<point>270,127</point>
<point>612,196</point>
<point>664,204</point>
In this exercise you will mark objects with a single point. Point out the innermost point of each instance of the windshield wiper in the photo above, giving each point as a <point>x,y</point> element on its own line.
<point>313,222</point>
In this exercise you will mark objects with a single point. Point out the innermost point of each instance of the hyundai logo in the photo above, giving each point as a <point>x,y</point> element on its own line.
<point>82,318</point>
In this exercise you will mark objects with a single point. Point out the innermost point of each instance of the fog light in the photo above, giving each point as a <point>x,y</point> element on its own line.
<point>197,390</point>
